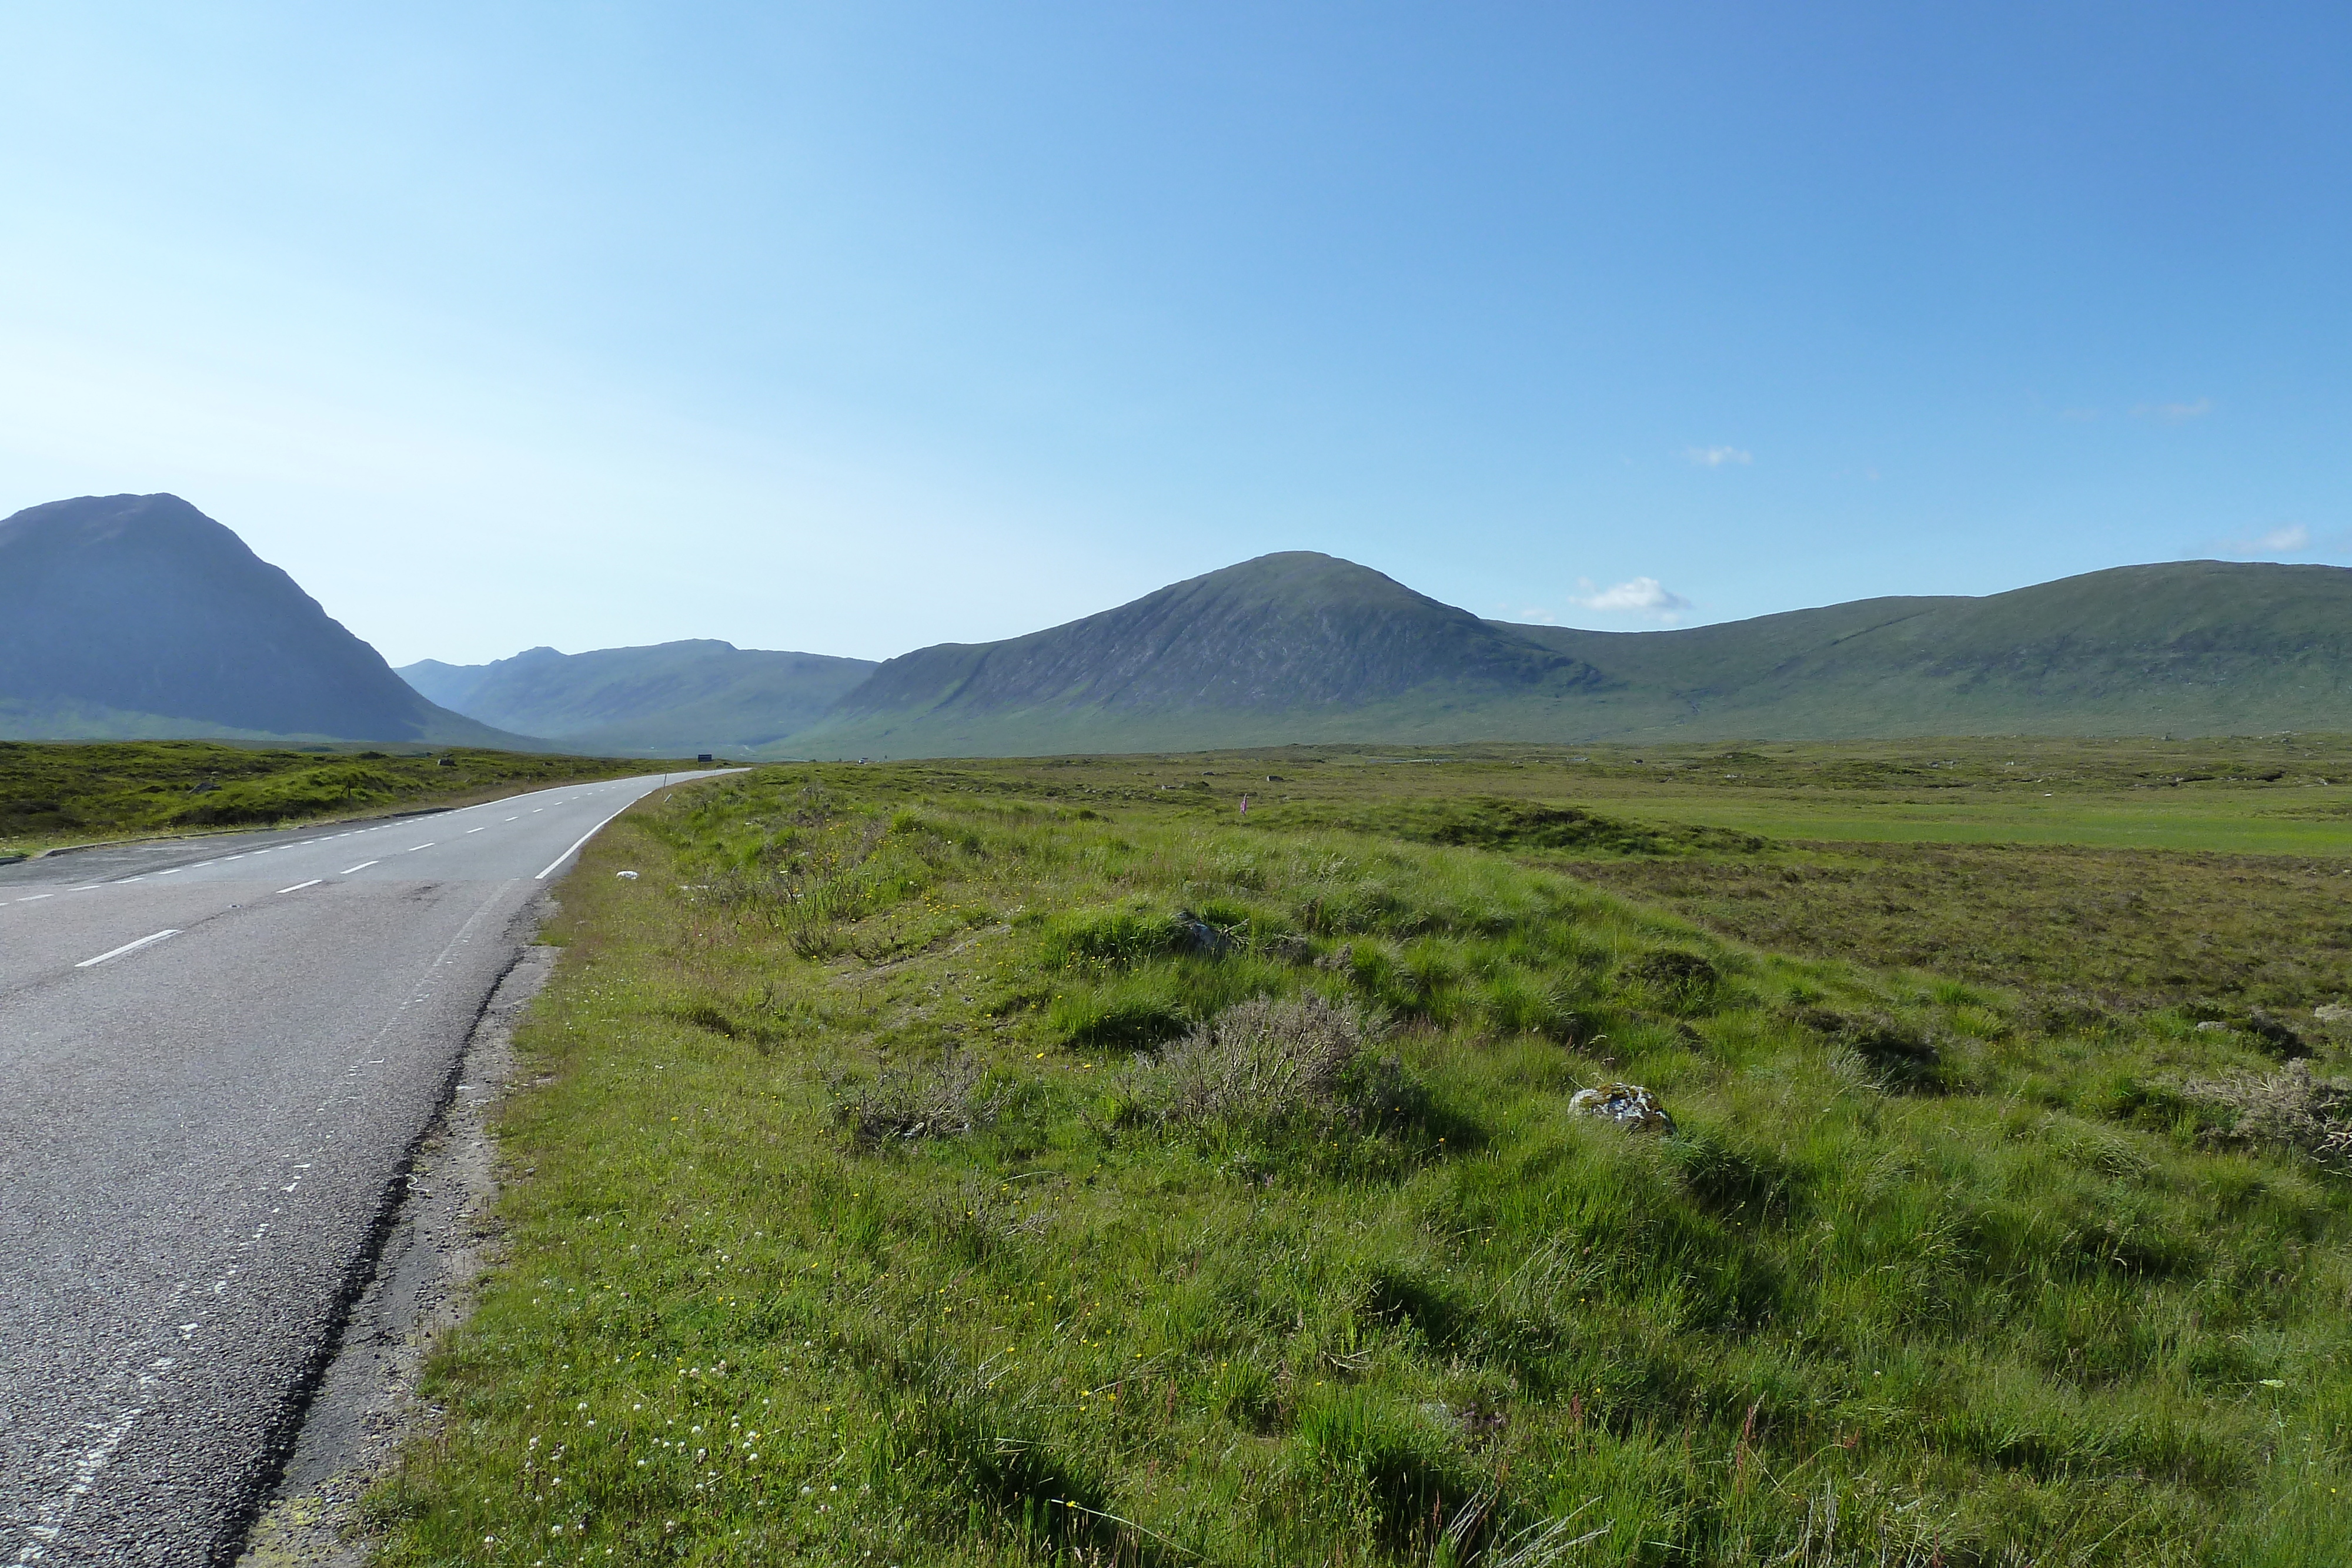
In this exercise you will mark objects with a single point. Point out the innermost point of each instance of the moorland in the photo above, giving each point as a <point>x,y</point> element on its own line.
<point>54,793</point>
<point>1029,1160</point>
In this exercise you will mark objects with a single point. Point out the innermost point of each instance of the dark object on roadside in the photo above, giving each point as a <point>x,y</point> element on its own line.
<point>448,762</point>
<point>1629,1105</point>
<point>2275,1036</point>
<point>702,757</point>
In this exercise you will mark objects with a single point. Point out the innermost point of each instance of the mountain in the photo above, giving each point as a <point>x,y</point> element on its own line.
<point>1304,647</point>
<point>1264,651</point>
<point>2192,647</point>
<point>669,700</point>
<point>136,617</point>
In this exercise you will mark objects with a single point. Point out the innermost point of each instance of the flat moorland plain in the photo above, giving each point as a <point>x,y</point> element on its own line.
<point>1051,1161</point>
<point>68,792</point>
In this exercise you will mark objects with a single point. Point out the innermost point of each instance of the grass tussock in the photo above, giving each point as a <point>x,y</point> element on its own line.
<point>944,1100</point>
<point>1016,1220</point>
<point>1274,1063</point>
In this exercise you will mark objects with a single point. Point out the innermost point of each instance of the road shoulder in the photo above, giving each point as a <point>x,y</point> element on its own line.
<point>441,1240</point>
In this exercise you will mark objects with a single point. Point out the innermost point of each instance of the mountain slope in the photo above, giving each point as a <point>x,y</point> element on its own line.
<point>671,699</point>
<point>1237,655</point>
<point>2187,646</point>
<point>1306,648</point>
<point>127,617</point>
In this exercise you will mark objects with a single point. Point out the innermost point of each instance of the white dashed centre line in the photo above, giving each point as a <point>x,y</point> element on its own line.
<point>126,947</point>
<point>34,898</point>
<point>361,866</point>
<point>300,885</point>
<point>484,828</point>
<point>414,848</point>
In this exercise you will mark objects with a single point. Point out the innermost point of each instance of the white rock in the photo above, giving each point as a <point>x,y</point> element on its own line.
<point>1629,1105</point>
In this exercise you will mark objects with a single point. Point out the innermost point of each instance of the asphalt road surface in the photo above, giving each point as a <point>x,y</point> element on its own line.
<point>214,1057</point>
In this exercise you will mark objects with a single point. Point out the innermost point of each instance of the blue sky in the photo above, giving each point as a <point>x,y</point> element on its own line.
<point>857,328</point>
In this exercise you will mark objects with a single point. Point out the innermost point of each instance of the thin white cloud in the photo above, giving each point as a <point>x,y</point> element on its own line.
<point>2288,539</point>
<point>1641,596</point>
<point>2173,413</point>
<point>1715,456</point>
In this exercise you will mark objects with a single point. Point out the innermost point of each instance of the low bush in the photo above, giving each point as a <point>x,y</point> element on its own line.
<point>1276,1063</point>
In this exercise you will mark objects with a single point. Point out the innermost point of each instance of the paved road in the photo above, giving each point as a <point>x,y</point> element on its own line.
<point>214,1057</point>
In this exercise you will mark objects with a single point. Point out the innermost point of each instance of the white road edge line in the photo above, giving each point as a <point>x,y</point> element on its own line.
<point>568,853</point>
<point>361,866</point>
<point>300,885</point>
<point>126,947</point>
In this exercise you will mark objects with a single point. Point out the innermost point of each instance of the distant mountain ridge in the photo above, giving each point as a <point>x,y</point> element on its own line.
<point>667,700</point>
<point>1300,648</point>
<point>138,617</point>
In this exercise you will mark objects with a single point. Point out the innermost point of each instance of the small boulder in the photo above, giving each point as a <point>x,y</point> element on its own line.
<point>2333,1012</point>
<point>1629,1105</point>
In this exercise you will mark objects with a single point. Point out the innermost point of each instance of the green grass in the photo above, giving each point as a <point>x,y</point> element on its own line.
<point>884,1199</point>
<point>62,793</point>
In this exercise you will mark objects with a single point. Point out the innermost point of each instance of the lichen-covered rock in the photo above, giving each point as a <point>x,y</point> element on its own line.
<point>1629,1105</point>
<point>2333,1012</point>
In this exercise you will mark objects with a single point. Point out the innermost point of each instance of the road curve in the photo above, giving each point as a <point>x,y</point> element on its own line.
<point>216,1058</point>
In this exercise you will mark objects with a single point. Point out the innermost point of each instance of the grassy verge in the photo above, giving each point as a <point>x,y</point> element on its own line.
<point>74,792</point>
<point>926,1168</point>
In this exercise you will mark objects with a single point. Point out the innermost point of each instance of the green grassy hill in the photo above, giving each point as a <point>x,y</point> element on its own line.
<point>1305,648</point>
